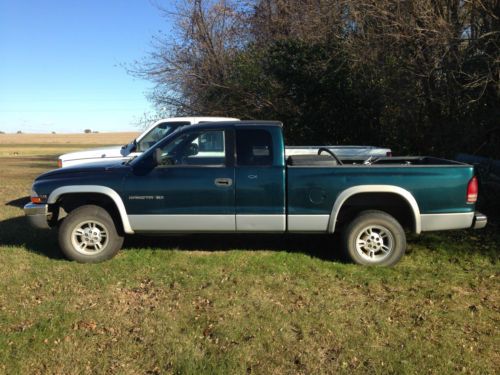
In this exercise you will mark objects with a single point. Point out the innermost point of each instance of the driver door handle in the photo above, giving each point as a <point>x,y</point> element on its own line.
<point>224,182</point>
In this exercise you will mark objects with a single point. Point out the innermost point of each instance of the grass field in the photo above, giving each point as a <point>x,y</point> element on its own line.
<point>239,304</point>
<point>15,145</point>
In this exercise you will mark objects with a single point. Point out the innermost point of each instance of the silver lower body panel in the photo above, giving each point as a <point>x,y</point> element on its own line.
<point>261,223</point>
<point>308,223</point>
<point>182,223</point>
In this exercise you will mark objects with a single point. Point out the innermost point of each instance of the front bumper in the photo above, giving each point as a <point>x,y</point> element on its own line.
<point>480,220</point>
<point>37,215</point>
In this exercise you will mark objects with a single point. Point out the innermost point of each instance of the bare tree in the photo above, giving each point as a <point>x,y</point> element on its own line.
<point>198,58</point>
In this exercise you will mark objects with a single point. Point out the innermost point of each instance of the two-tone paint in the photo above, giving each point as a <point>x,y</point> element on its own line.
<point>271,198</point>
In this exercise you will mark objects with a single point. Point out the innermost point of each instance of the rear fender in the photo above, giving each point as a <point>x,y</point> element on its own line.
<point>346,194</point>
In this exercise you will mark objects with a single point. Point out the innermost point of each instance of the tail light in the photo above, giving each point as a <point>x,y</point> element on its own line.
<point>472,189</point>
<point>59,163</point>
<point>388,154</point>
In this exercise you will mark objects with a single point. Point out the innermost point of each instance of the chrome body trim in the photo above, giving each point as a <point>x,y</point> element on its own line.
<point>480,220</point>
<point>346,194</point>
<point>261,223</point>
<point>431,222</point>
<point>37,215</point>
<point>308,223</point>
<point>95,189</point>
<point>183,223</point>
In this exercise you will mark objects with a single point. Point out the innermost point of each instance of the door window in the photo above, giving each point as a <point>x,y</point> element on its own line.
<point>196,148</point>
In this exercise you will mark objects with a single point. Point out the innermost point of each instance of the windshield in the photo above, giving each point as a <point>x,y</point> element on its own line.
<point>158,132</point>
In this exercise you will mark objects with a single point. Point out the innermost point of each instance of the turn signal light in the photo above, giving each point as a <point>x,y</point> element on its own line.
<point>472,190</point>
<point>36,200</point>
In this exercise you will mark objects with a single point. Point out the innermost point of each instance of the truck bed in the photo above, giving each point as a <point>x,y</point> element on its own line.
<point>307,161</point>
<point>340,151</point>
<point>438,185</point>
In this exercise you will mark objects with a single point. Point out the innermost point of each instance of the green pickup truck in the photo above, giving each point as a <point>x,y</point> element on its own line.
<point>233,177</point>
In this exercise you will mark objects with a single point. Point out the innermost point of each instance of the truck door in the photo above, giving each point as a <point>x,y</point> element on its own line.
<point>192,190</point>
<point>260,180</point>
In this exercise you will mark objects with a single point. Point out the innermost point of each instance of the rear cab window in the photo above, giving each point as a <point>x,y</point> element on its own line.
<point>254,147</point>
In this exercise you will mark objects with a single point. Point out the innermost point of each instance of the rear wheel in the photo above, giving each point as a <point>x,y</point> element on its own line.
<point>88,235</point>
<point>374,238</point>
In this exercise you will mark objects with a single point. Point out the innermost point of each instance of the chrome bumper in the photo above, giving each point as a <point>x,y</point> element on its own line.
<point>480,220</point>
<point>37,215</point>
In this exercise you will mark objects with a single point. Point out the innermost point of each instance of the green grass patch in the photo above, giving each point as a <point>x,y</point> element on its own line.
<point>242,304</point>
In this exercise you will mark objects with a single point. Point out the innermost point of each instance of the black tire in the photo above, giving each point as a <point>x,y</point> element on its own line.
<point>382,240</point>
<point>94,230</point>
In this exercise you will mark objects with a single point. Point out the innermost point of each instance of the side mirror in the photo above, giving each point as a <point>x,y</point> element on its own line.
<point>128,148</point>
<point>133,146</point>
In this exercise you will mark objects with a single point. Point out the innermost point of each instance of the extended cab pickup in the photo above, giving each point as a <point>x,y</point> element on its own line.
<point>233,177</point>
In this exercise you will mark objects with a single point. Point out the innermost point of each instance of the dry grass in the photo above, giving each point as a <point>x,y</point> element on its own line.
<point>212,304</point>
<point>22,145</point>
<point>68,139</point>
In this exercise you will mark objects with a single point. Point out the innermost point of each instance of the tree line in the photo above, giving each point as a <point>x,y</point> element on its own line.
<point>418,76</point>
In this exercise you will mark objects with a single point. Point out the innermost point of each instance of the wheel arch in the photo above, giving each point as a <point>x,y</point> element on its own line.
<point>367,190</point>
<point>95,189</point>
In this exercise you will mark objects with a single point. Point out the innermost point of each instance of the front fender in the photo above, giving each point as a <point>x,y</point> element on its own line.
<point>54,196</point>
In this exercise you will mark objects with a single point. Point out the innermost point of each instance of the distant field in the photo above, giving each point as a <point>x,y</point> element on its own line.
<point>70,138</point>
<point>239,304</point>
<point>55,144</point>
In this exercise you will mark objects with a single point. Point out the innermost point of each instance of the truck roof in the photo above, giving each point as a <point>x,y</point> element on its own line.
<point>259,123</point>
<point>237,124</point>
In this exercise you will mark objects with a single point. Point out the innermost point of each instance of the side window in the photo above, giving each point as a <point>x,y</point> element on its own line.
<point>254,147</point>
<point>196,148</point>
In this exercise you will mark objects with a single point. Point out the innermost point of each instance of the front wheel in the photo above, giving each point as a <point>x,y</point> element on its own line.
<point>88,235</point>
<point>374,238</point>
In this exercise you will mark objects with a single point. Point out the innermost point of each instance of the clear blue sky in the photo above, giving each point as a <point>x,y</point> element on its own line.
<point>60,63</point>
